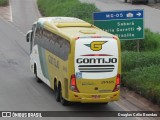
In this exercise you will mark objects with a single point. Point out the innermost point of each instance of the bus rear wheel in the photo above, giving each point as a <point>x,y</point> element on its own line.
<point>62,100</point>
<point>57,92</point>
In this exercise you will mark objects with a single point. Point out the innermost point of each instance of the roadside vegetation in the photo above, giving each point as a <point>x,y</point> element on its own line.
<point>140,70</point>
<point>150,43</point>
<point>4,2</point>
<point>71,8</point>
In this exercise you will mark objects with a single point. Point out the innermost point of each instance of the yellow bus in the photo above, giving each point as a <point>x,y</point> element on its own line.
<point>79,61</point>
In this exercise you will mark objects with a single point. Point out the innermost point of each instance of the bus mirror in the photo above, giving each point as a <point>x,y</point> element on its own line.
<point>28,35</point>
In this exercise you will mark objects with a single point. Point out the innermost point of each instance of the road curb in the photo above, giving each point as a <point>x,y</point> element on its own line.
<point>137,100</point>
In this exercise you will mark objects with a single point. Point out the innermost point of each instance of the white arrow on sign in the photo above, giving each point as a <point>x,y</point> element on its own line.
<point>139,14</point>
<point>139,28</point>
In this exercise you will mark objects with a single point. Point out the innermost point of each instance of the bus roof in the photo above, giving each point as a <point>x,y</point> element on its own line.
<point>71,27</point>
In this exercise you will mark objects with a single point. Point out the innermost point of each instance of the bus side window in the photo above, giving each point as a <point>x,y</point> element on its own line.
<point>52,42</point>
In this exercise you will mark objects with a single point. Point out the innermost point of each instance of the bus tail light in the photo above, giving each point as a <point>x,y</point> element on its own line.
<point>118,80</point>
<point>73,83</point>
<point>77,38</point>
<point>115,37</point>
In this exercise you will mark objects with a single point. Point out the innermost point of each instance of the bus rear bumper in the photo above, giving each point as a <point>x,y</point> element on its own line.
<point>94,98</point>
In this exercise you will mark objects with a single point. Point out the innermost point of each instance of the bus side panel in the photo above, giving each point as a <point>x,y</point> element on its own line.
<point>42,58</point>
<point>53,67</point>
<point>57,69</point>
<point>38,59</point>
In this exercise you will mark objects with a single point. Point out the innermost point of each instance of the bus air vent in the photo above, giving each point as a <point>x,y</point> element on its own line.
<point>73,24</point>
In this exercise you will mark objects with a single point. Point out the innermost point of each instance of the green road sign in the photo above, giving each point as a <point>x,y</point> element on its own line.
<point>127,25</point>
<point>124,29</point>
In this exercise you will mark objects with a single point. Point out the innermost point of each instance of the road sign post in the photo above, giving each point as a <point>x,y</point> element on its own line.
<point>127,25</point>
<point>138,46</point>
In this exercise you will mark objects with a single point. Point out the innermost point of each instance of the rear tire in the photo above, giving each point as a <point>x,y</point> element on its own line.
<point>125,1</point>
<point>35,72</point>
<point>63,101</point>
<point>57,92</point>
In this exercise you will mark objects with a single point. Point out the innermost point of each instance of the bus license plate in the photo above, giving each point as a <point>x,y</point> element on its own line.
<point>96,96</point>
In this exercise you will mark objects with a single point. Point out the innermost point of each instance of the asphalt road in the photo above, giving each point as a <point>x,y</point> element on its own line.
<point>19,90</point>
<point>151,18</point>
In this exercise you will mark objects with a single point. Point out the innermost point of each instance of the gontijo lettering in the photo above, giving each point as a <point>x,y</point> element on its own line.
<point>53,61</point>
<point>96,60</point>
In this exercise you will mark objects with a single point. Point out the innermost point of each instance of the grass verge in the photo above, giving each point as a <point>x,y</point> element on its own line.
<point>71,8</point>
<point>132,60</point>
<point>4,2</point>
<point>140,71</point>
<point>145,81</point>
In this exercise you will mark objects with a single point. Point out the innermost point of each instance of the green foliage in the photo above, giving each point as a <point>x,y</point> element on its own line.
<point>132,60</point>
<point>150,43</point>
<point>4,2</point>
<point>145,81</point>
<point>141,73</point>
<point>71,8</point>
<point>141,70</point>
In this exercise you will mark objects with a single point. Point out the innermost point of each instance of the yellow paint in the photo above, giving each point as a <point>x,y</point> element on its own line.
<point>97,45</point>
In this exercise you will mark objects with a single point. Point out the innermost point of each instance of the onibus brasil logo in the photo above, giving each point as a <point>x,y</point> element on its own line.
<point>96,45</point>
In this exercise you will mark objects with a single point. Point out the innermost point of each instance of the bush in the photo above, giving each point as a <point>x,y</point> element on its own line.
<point>145,81</point>
<point>4,2</point>
<point>132,60</point>
<point>71,8</point>
<point>150,43</point>
<point>140,72</point>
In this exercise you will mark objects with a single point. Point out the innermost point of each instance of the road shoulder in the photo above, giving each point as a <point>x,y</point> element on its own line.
<point>153,5</point>
<point>140,103</point>
<point>5,13</point>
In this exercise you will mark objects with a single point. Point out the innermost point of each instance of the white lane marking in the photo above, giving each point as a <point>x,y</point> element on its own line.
<point>124,108</point>
<point>11,15</point>
<point>13,26</point>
